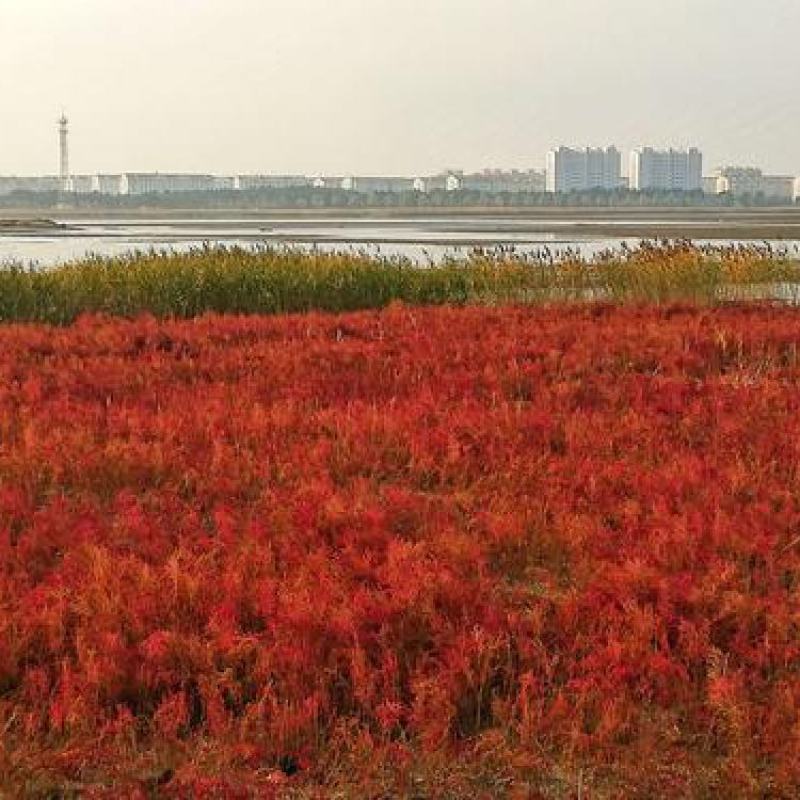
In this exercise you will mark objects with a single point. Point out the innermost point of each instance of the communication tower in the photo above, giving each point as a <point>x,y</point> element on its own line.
<point>63,137</point>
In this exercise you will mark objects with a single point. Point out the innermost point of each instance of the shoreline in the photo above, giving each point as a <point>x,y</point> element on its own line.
<point>440,227</point>
<point>780,212</point>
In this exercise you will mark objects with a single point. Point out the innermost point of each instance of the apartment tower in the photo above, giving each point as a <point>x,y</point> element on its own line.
<point>666,170</point>
<point>570,170</point>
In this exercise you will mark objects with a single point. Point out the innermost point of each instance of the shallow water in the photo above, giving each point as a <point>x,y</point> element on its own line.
<point>424,240</point>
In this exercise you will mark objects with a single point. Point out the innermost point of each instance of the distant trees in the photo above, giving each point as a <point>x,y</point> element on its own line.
<point>310,197</point>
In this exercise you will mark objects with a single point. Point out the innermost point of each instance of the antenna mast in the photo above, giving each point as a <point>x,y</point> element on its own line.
<point>63,136</point>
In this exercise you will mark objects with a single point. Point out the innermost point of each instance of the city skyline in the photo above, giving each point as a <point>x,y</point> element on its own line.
<point>367,87</point>
<point>552,157</point>
<point>566,170</point>
<point>539,163</point>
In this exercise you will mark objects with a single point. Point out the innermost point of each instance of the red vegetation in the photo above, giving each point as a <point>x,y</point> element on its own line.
<point>475,552</point>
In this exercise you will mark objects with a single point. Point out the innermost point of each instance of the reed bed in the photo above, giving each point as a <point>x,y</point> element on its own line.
<point>274,281</point>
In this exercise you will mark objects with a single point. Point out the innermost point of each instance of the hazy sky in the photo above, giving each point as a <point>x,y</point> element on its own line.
<point>393,86</point>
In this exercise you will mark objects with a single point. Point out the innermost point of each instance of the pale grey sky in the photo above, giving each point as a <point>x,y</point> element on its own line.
<point>393,86</point>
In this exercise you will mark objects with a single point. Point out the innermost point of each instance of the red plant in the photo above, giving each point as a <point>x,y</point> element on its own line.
<point>504,550</point>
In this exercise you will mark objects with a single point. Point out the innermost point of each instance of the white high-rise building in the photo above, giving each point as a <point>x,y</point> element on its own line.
<point>669,170</point>
<point>570,170</point>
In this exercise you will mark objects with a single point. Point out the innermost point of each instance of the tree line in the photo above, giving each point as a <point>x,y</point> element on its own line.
<point>311,198</point>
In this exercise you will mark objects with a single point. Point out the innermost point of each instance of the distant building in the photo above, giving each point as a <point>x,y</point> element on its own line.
<point>709,184</point>
<point>330,182</point>
<point>449,181</point>
<point>751,182</point>
<point>496,181</point>
<point>223,183</point>
<point>135,183</point>
<point>432,183</point>
<point>252,182</point>
<point>570,170</point>
<point>107,184</point>
<point>779,187</point>
<point>80,184</point>
<point>739,181</point>
<point>667,170</point>
<point>39,183</point>
<point>369,184</point>
<point>796,193</point>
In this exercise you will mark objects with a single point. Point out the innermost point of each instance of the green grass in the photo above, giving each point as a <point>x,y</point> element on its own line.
<point>281,281</point>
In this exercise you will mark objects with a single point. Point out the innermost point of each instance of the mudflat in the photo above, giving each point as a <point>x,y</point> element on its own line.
<point>31,225</point>
<point>754,224</point>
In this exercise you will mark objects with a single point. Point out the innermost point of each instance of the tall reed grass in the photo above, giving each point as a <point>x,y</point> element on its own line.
<point>269,281</point>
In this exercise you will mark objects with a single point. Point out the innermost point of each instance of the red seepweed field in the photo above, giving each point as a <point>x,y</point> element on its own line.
<point>481,552</point>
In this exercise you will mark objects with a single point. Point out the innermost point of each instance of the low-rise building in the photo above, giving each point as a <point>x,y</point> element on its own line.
<point>751,182</point>
<point>375,184</point>
<point>135,183</point>
<point>368,184</point>
<point>450,181</point>
<point>496,181</point>
<point>80,184</point>
<point>254,182</point>
<point>224,183</point>
<point>107,184</point>
<point>796,193</point>
<point>330,182</point>
<point>778,187</point>
<point>36,183</point>
<point>739,181</point>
